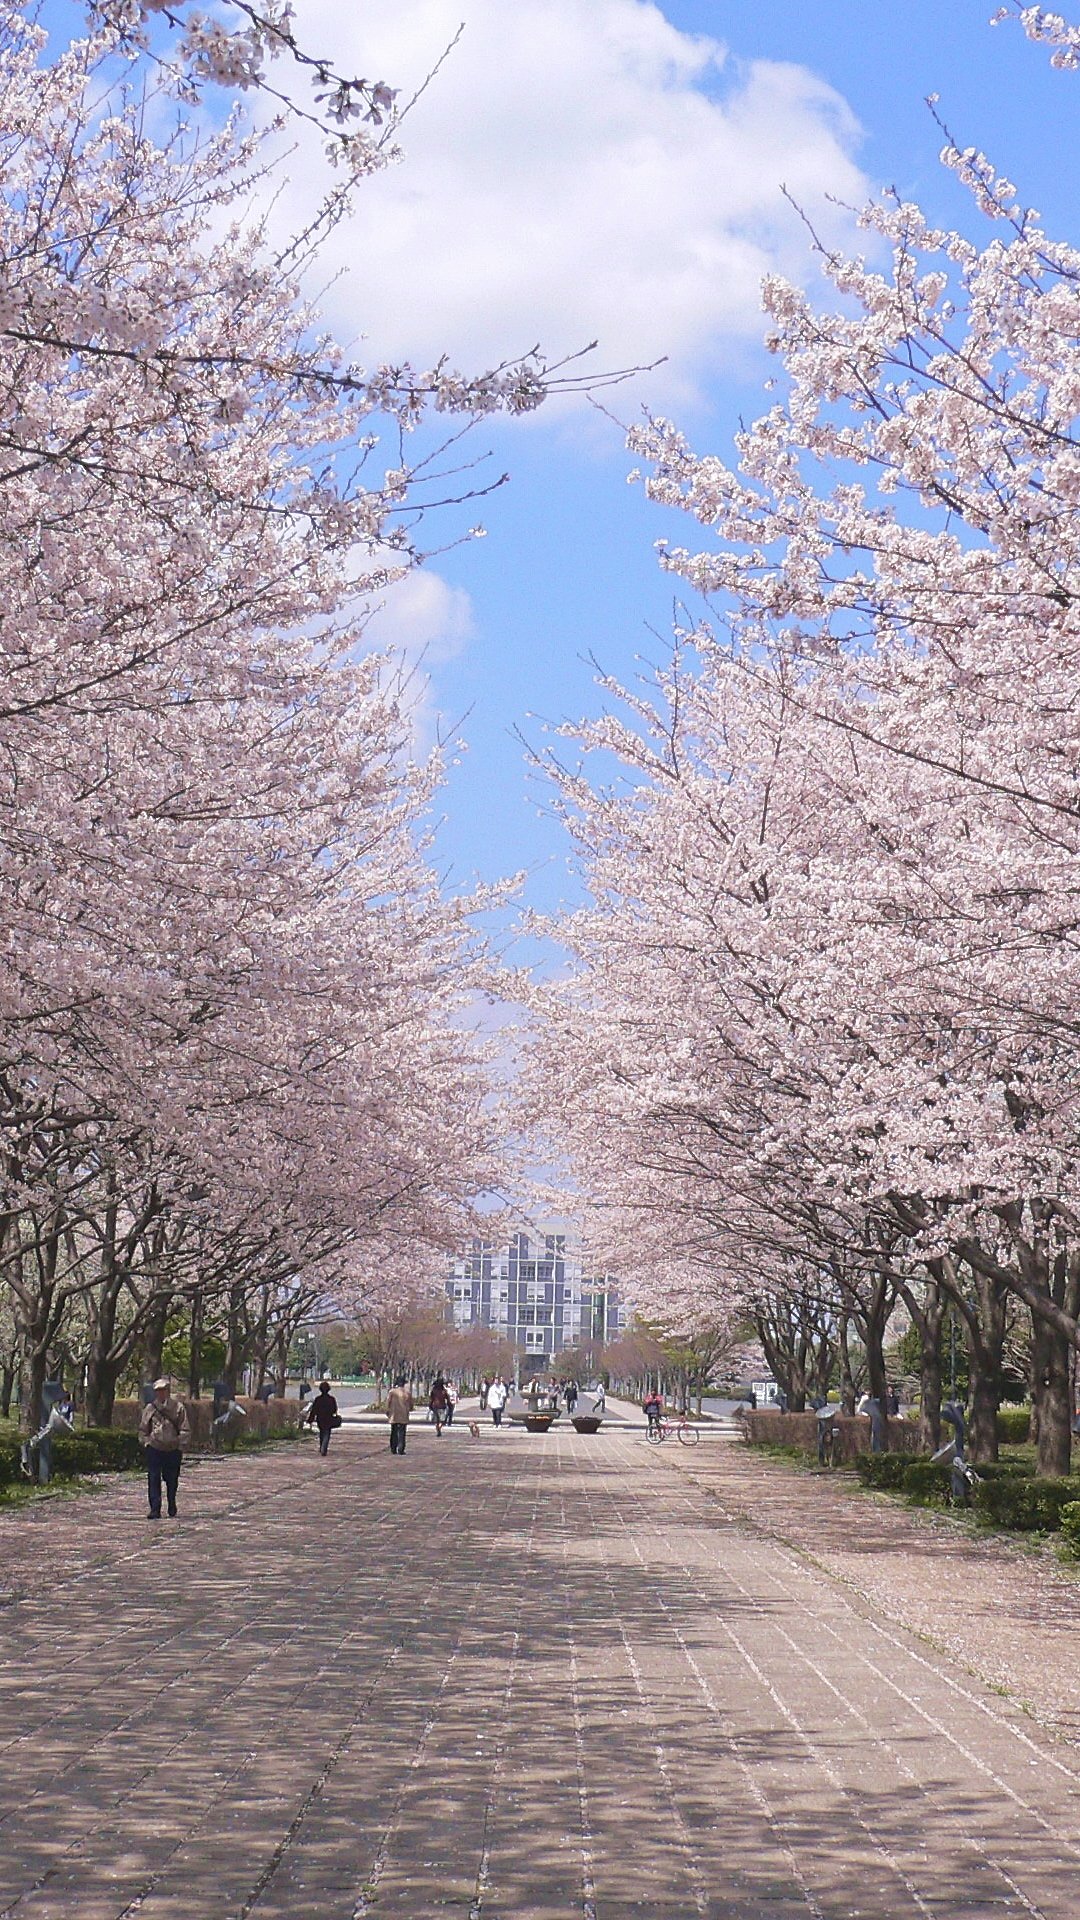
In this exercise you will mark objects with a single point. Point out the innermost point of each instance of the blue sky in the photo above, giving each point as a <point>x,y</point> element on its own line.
<point>568,567</point>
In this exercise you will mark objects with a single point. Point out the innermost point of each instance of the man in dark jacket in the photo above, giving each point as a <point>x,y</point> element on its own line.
<point>323,1414</point>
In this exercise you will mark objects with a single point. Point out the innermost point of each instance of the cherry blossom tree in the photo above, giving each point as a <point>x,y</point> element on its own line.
<point>825,1000</point>
<point>234,1056</point>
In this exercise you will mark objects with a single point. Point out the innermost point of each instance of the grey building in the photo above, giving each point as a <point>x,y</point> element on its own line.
<point>535,1291</point>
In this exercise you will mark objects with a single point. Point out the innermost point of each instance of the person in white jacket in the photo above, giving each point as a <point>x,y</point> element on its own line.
<point>496,1400</point>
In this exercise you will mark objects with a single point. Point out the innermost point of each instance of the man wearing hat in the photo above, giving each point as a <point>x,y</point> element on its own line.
<point>165,1432</point>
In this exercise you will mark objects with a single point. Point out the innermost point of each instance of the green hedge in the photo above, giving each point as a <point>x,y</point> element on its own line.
<point>920,1479</point>
<point>96,1450</point>
<point>1008,1494</point>
<point>1012,1425</point>
<point>882,1470</point>
<point>927,1480</point>
<point>1070,1526</point>
<point>90,1450</point>
<point>1026,1505</point>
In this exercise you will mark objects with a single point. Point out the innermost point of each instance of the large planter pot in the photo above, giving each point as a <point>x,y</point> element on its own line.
<point>587,1422</point>
<point>537,1422</point>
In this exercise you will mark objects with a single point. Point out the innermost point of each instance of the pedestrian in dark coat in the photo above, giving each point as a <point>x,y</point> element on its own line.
<point>323,1414</point>
<point>439,1405</point>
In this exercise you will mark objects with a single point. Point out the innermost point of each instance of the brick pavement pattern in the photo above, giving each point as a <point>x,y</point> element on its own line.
<point>511,1679</point>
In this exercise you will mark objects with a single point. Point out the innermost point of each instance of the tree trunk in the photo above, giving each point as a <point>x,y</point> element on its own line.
<point>930,1382</point>
<point>928,1319</point>
<point>153,1338</point>
<point>985,1400</point>
<point>281,1368</point>
<point>195,1340</point>
<point>34,1375</point>
<point>873,1318</point>
<point>101,1377</point>
<point>847,1378</point>
<point>7,1388</point>
<point>102,1371</point>
<point>235,1343</point>
<point>985,1319</point>
<point>1051,1400</point>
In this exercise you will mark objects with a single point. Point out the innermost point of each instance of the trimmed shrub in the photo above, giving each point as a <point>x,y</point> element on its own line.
<point>1026,1505</point>
<point>883,1470</point>
<point>10,1451</point>
<point>117,1449</point>
<point>1070,1527</point>
<point>96,1450</point>
<point>266,1420</point>
<point>921,1479</point>
<point>800,1430</point>
<point>74,1453</point>
<point>1012,1425</point>
<point>1004,1470</point>
<point>927,1480</point>
<point>91,1450</point>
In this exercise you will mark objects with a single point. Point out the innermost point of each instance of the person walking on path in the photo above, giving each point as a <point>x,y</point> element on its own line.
<point>165,1433</point>
<point>399,1405</point>
<point>323,1414</point>
<point>484,1385</point>
<point>451,1402</point>
<point>496,1399</point>
<point>439,1405</point>
<point>571,1396</point>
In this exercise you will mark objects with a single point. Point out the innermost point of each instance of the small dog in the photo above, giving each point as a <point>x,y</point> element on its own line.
<point>474,1429</point>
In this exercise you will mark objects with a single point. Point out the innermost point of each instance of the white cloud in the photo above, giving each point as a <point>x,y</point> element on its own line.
<point>422,621</point>
<point>422,618</point>
<point>579,169</point>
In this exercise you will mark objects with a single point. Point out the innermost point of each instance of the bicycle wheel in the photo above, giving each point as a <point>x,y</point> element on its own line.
<point>654,1432</point>
<point>687,1434</point>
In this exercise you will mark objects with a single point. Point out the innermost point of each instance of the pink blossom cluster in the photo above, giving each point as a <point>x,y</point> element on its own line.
<point>1052,29</point>
<point>235,47</point>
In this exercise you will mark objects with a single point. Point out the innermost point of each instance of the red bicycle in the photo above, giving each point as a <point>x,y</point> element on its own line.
<point>659,1430</point>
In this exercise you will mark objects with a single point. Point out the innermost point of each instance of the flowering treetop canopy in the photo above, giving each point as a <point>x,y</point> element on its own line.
<point>237,50</point>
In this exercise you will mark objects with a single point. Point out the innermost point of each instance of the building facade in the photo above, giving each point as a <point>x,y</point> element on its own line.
<point>535,1292</point>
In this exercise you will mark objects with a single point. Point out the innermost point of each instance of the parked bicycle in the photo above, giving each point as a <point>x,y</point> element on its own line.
<point>663,1429</point>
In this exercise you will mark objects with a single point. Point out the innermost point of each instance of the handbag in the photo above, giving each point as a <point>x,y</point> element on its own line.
<point>336,1420</point>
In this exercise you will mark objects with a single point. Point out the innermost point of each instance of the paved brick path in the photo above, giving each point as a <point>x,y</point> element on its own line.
<point>516,1679</point>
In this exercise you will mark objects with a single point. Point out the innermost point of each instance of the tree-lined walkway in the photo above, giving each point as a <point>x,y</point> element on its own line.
<point>507,1679</point>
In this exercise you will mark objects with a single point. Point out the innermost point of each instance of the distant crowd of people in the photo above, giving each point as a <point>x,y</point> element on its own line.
<point>495,1392</point>
<point>165,1429</point>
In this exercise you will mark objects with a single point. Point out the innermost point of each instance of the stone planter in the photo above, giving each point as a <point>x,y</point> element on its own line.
<point>586,1422</point>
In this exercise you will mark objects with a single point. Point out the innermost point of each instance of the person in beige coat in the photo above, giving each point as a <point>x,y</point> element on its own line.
<point>165,1433</point>
<point>399,1405</point>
